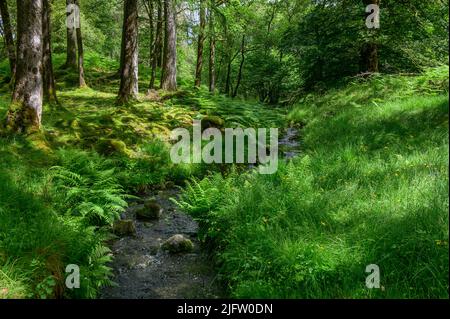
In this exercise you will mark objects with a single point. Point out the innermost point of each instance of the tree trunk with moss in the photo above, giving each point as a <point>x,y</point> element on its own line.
<point>129,70</point>
<point>47,64</point>
<point>8,34</point>
<point>25,112</point>
<point>169,79</point>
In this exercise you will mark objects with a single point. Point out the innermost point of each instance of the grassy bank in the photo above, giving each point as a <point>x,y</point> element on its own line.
<point>371,187</point>
<point>61,189</point>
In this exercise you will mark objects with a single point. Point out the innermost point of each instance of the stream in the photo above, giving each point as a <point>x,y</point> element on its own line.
<point>142,270</point>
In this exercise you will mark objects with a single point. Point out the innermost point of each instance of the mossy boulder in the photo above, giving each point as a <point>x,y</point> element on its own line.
<point>178,244</point>
<point>151,211</point>
<point>107,146</point>
<point>124,228</point>
<point>211,121</point>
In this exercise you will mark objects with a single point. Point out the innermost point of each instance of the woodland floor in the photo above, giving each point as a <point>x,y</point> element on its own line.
<point>366,181</point>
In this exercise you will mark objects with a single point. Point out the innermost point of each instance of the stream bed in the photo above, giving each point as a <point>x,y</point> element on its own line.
<point>142,270</point>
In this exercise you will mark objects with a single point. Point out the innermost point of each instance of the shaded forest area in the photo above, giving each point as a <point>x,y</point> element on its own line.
<point>90,91</point>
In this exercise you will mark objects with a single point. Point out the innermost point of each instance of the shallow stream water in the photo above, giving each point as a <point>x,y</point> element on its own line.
<point>144,271</point>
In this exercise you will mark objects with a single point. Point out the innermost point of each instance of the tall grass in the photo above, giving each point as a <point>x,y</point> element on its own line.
<point>61,191</point>
<point>371,187</point>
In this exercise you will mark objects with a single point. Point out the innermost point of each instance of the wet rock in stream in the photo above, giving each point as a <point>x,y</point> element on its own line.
<point>124,227</point>
<point>143,270</point>
<point>151,210</point>
<point>178,244</point>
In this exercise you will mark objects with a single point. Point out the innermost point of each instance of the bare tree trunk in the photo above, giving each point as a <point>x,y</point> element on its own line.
<point>153,58</point>
<point>25,112</point>
<point>159,34</point>
<point>157,47</point>
<point>212,53</point>
<point>80,64</point>
<point>49,87</point>
<point>369,58</point>
<point>240,67</point>
<point>129,72</point>
<point>71,59</point>
<point>9,39</point>
<point>228,75</point>
<point>165,48</point>
<point>201,40</point>
<point>169,79</point>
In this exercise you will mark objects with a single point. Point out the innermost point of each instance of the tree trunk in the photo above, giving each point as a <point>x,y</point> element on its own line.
<point>153,58</point>
<point>129,71</point>
<point>369,58</point>
<point>159,35</point>
<point>49,87</point>
<point>201,40</point>
<point>212,53</point>
<point>169,79</point>
<point>71,59</point>
<point>228,76</point>
<point>25,112</point>
<point>164,53</point>
<point>369,52</point>
<point>240,67</point>
<point>9,39</point>
<point>80,64</point>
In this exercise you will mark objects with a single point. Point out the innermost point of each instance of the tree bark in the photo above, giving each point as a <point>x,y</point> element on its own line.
<point>369,52</point>
<point>230,59</point>
<point>239,77</point>
<point>200,42</point>
<point>369,58</point>
<point>49,87</point>
<point>80,63</point>
<point>9,39</point>
<point>159,34</point>
<point>164,52</point>
<point>25,112</point>
<point>169,79</point>
<point>228,77</point>
<point>212,52</point>
<point>71,59</point>
<point>153,58</point>
<point>129,71</point>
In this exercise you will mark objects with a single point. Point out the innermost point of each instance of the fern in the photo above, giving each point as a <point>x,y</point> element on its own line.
<point>200,197</point>
<point>87,187</point>
<point>96,274</point>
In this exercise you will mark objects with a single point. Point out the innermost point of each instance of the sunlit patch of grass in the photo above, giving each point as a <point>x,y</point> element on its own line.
<point>13,285</point>
<point>53,216</point>
<point>371,187</point>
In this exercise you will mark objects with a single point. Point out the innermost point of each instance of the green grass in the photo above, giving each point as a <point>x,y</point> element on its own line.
<point>60,190</point>
<point>371,187</point>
